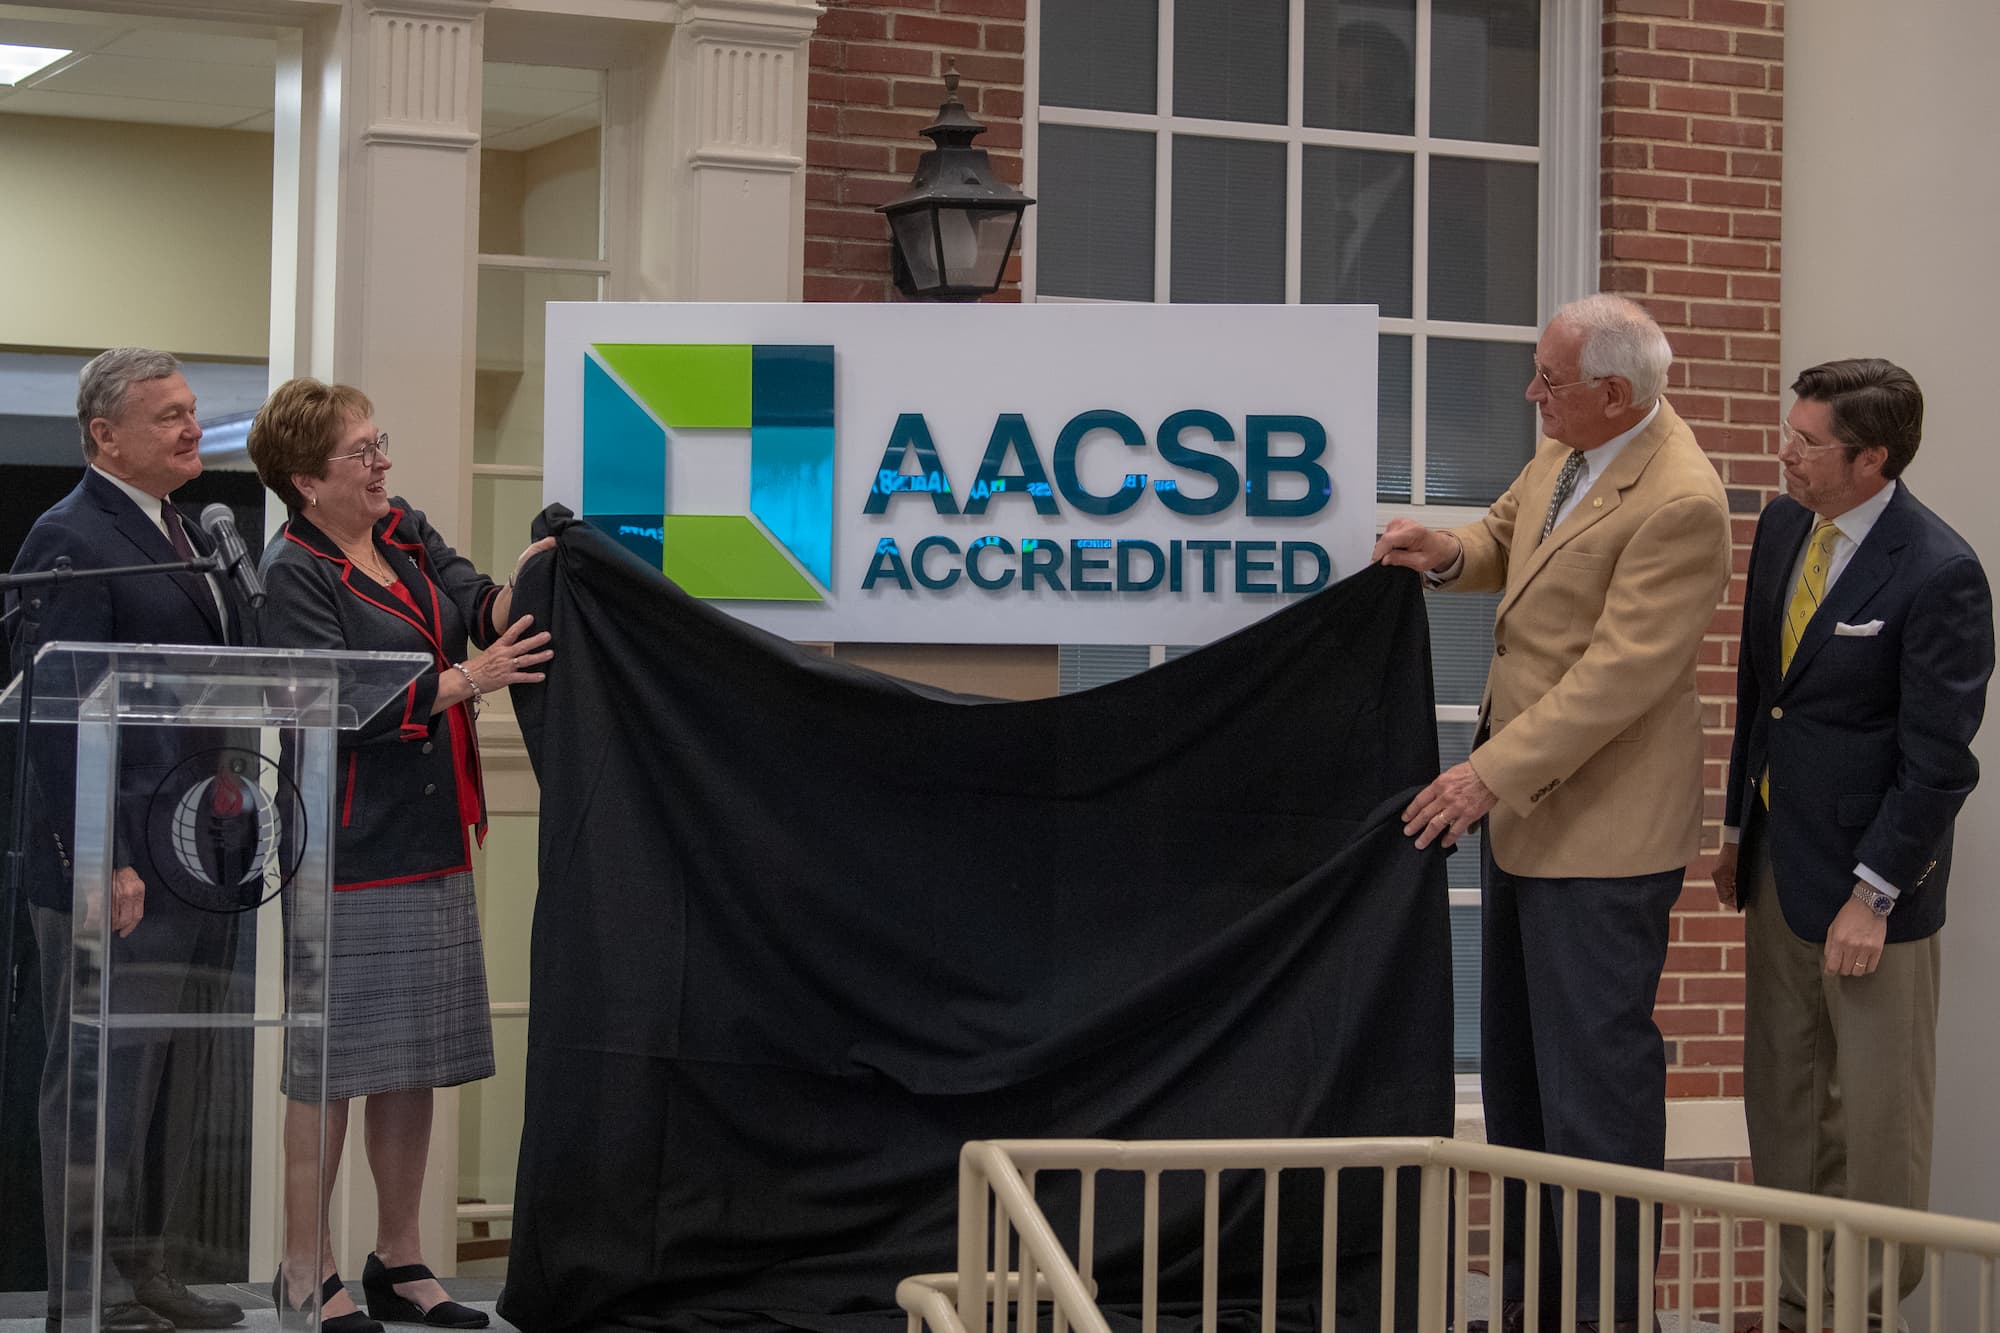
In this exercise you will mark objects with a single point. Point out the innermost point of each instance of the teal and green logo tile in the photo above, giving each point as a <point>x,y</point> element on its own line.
<point>637,396</point>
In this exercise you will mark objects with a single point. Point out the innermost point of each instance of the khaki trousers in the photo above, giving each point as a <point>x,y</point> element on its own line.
<point>1839,1082</point>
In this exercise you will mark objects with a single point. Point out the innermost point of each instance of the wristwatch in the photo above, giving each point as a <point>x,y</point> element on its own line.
<point>1880,903</point>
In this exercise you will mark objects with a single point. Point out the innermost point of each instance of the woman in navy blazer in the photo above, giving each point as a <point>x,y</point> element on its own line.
<point>356,569</point>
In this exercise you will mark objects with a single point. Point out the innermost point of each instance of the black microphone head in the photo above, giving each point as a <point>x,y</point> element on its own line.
<point>216,515</point>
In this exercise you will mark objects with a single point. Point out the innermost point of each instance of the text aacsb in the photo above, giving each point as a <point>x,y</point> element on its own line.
<point>910,442</point>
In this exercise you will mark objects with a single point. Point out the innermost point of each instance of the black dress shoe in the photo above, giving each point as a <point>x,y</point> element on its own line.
<point>167,1296</point>
<point>291,1316</point>
<point>125,1317</point>
<point>379,1282</point>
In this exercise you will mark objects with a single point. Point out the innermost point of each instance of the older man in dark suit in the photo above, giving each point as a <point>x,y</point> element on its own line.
<point>1867,647</point>
<point>141,442</point>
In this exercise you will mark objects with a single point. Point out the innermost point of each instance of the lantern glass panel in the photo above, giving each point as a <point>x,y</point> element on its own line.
<point>916,240</point>
<point>975,244</point>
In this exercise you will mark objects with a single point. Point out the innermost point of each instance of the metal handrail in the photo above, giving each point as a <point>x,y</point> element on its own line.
<point>997,1185</point>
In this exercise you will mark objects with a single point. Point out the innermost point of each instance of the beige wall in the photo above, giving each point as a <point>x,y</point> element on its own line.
<point>148,234</point>
<point>1892,186</point>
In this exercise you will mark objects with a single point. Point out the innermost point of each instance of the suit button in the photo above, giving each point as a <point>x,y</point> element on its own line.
<point>429,746</point>
<point>1777,713</point>
<point>1499,650</point>
<point>430,788</point>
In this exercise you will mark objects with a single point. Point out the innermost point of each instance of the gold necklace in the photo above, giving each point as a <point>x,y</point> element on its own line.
<point>374,567</point>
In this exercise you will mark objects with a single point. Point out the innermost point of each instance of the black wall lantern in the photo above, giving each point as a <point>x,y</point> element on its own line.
<point>955,228</point>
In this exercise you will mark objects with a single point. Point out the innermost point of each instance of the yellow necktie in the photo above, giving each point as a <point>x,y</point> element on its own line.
<point>1808,593</point>
<point>1806,597</point>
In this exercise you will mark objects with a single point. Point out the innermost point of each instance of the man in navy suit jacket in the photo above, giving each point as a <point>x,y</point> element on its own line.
<point>141,441</point>
<point>1867,646</point>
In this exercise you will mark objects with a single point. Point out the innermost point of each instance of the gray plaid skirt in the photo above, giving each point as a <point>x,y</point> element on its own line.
<point>406,994</point>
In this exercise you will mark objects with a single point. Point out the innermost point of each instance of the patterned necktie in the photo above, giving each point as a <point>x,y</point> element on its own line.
<point>1807,594</point>
<point>1565,483</point>
<point>176,533</point>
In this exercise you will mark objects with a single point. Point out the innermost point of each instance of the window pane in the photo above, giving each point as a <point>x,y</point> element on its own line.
<point>1465,972</point>
<point>1482,241</point>
<point>1229,59</point>
<point>1392,417</point>
<point>1229,220</point>
<point>1486,70</point>
<point>1454,744</point>
<point>1095,230</point>
<point>1461,870</point>
<point>1360,69</point>
<point>1482,427</point>
<point>1101,54</point>
<point>1461,644</point>
<point>540,175</point>
<point>1356,211</point>
<point>507,377</point>
<point>1085,666</point>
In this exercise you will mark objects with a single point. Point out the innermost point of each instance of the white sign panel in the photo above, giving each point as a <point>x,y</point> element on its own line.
<point>973,473</point>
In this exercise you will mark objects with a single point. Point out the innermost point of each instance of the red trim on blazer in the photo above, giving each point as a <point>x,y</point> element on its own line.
<point>347,801</point>
<point>407,879</point>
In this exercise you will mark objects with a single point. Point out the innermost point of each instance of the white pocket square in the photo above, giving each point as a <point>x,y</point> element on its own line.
<point>1869,630</point>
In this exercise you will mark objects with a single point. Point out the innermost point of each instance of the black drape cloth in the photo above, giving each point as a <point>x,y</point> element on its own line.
<point>804,929</point>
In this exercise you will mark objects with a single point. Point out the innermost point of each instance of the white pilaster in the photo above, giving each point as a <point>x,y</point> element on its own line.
<point>723,149</point>
<point>404,329</point>
<point>403,332</point>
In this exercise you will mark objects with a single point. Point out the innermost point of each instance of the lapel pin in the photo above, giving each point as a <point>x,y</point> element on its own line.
<point>1598,503</point>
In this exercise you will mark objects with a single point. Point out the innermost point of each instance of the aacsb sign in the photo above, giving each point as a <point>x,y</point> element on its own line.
<point>973,473</point>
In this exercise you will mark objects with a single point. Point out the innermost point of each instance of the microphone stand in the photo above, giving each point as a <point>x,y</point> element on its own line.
<point>34,587</point>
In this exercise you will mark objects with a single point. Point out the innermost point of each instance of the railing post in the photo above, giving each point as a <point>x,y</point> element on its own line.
<point>1850,1279</point>
<point>972,1210</point>
<point>1433,1248</point>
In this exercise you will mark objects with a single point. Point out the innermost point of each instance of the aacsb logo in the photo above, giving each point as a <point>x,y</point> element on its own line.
<point>641,400</point>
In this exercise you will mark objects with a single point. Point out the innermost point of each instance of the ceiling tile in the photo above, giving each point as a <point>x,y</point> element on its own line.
<point>37,102</point>
<point>131,78</point>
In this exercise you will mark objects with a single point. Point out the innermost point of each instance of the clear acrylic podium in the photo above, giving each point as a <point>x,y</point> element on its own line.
<point>211,775</point>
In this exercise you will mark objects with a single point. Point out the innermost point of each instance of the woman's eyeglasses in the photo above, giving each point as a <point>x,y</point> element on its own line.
<point>370,453</point>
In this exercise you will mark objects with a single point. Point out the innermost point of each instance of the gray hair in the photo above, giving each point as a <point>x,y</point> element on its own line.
<point>1619,338</point>
<point>101,385</point>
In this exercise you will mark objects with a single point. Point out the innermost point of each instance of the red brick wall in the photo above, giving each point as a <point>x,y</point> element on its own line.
<point>877,79</point>
<point>1692,139</point>
<point>1692,149</point>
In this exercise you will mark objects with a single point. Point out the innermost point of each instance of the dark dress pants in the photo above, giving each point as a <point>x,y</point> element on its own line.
<point>1571,1061</point>
<point>176,961</point>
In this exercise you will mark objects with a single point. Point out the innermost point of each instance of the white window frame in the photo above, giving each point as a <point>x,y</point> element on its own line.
<point>1567,162</point>
<point>1566,218</point>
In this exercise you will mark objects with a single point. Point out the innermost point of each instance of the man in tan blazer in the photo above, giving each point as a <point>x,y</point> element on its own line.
<point>1611,551</point>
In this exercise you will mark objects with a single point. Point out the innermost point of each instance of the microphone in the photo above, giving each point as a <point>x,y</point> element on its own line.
<point>220,525</point>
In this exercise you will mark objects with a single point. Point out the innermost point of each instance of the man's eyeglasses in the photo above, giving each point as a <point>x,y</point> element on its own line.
<point>1553,387</point>
<point>371,453</point>
<point>1791,441</point>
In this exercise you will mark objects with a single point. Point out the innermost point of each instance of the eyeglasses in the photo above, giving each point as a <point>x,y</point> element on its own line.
<point>372,453</point>
<point>1553,387</point>
<point>1791,441</point>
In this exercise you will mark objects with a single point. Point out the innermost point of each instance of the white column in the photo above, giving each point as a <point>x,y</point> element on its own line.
<point>403,331</point>
<point>404,322</point>
<point>719,193</point>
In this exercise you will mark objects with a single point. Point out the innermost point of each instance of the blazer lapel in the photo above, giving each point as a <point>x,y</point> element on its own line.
<point>1867,570</point>
<point>1763,621</point>
<point>1598,503</point>
<point>153,547</point>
